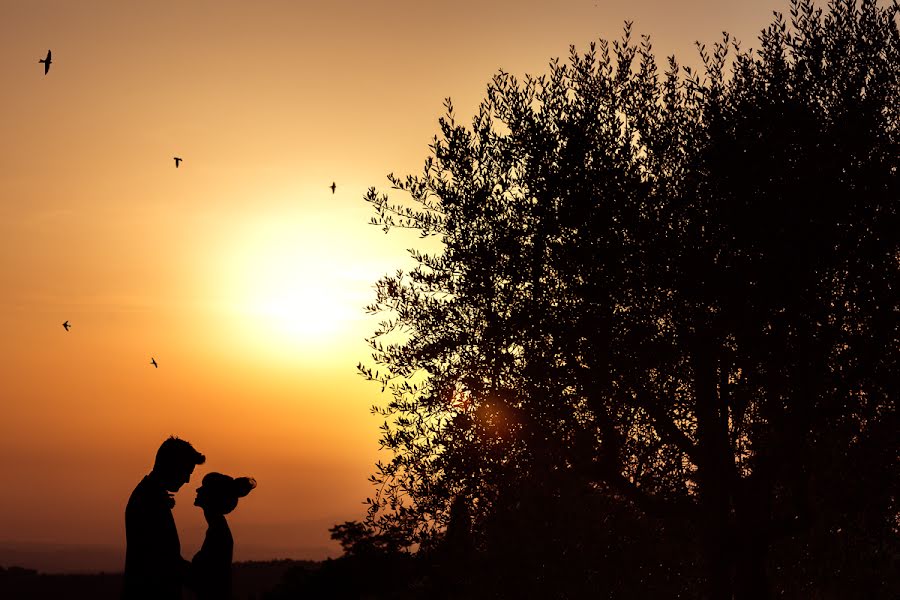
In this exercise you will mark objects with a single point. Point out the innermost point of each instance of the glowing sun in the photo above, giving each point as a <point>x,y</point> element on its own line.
<point>291,285</point>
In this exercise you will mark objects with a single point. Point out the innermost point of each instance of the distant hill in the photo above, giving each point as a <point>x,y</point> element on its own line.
<point>66,558</point>
<point>251,580</point>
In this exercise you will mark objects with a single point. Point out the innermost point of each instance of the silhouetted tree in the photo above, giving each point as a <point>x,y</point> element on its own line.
<point>358,540</point>
<point>677,291</point>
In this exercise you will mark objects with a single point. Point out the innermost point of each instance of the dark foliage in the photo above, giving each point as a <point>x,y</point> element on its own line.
<point>669,298</point>
<point>379,575</point>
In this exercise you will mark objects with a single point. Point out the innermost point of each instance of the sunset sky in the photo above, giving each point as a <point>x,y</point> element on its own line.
<point>239,272</point>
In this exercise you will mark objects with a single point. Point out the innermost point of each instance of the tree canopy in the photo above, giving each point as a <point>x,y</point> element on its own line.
<point>673,293</point>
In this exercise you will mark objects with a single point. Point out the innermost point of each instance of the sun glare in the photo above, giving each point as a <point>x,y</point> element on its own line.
<point>289,285</point>
<point>297,310</point>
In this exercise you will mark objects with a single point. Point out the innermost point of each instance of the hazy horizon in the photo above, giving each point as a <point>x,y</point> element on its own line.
<point>73,558</point>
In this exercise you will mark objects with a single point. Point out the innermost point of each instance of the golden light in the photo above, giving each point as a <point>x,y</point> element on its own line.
<point>294,296</point>
<point>287,283</point>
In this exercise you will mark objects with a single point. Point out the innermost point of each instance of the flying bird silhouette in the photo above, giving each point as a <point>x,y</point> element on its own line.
<point>177,161</point>
<point>153,362</point>
<point>66,325</point>
<point>46,62</point>
<point>333,186</point>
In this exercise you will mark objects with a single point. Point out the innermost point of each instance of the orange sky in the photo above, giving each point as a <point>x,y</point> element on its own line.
<point>239,272</point>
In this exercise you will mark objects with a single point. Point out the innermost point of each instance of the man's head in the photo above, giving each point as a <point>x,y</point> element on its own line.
<point>175,461</point>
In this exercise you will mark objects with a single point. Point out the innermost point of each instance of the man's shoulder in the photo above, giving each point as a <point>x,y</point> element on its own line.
<point>147,493</point>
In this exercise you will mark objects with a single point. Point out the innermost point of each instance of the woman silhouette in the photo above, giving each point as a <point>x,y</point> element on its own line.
<point>211,567</point>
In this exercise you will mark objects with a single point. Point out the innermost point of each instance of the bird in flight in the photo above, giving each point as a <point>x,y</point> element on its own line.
<point>66,325</point>
<point>153,362</point>
<point>177,161</point>
<point>333,186</point>
<point>46,62</point>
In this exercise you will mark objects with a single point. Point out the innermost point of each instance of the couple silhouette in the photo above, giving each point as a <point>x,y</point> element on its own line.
<point>154,567</point>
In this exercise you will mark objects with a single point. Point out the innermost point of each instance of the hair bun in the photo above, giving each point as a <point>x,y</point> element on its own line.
<point>243,486</point>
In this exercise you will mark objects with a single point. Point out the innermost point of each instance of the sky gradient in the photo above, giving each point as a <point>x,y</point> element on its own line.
<point>239,272</point>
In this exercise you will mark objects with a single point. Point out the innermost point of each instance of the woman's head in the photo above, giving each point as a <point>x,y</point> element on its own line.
<point>219,493</point>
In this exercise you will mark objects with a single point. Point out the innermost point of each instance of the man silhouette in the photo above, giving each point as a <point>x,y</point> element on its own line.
<point>154,568</point>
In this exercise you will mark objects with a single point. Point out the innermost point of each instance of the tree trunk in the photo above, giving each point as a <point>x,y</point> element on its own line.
<point>751,581</point>
<point>753,512</point>
<point>714,471</point>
